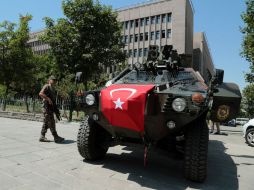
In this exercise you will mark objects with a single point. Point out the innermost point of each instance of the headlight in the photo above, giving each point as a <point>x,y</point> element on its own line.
<point>90,99</point>
<point>179,104</point>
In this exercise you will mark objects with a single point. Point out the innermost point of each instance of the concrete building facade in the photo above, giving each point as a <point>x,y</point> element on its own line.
<point>156,22</point>
<point>202,59</point>
<point>38,47</point>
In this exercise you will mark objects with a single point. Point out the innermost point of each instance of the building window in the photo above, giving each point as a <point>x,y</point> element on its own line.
<point>169,33</point>
<point>136,23</point>
<point>145,52</point>
<point>157,35</point>
<point>136,37</point>
<point>125,52</point>
<point>125,39</point>
<point>147,21</point>
<point>169,17</point>
<point>135,53</point>
<point>158,19</point>
<point>131,38</point>
<point>141,37</point>
<point>146,36</point>
<point>142,22</point>
<point>163,34</point>
<point>132,23</point>
<point>153,20</point>
<point>126,24</point>
<point>163,18</point>
<point>130,53</point>
<point>152,35</point>
<point>140,51</point>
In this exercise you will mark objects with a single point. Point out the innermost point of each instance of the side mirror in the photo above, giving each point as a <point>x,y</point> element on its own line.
<point>219,76</point>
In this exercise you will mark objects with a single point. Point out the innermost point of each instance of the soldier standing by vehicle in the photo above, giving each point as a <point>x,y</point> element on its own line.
<point>48,95</point>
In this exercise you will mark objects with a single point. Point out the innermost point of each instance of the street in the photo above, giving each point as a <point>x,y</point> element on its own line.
<point>27,164</point>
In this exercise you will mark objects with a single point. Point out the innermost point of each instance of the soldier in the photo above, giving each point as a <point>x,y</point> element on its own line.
<point>48,95</point>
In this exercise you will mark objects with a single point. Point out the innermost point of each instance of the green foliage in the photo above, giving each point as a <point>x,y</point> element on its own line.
<point>248,40</point>
<point>88,37</point>
<point>248,100</point>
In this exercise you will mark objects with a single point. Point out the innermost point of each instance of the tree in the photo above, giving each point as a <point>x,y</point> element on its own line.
<point>17,67</point>
<point>248,40</point>
<point>86,39</point>
<point>248,100</point>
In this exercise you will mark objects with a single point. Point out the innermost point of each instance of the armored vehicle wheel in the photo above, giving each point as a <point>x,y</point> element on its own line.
<point>249,137</point>
<point>91,140</point>
<point>196,150</point>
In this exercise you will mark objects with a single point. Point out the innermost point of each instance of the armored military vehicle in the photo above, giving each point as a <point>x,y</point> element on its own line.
<point>161,104</point>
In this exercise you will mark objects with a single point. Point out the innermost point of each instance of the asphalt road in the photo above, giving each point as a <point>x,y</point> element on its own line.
<point>26,164</point>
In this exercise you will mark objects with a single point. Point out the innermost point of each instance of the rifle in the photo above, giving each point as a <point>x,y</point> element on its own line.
<point>56,111</point>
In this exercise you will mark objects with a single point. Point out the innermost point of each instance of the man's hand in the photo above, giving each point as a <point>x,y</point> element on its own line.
<point>50,101</point>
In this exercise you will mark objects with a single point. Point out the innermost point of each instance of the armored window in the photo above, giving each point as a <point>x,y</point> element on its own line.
<point>136,23</point>
<point>140,51</point>
<point>157,35</point>
<point>163,18</point>
<point>153,20</point>
<point>131,38</point>
<point>158,19</point>
<point>152,36</point>
<point>163,34</point>
<point>142,22</point>
<point>135,53</point>
<point>169,33</point>
<point>146,36</point>
<point>147,21</point>
<point>169,17</point>
<point>136,37</point>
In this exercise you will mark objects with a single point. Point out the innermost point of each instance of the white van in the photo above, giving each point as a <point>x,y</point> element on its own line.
<point>241,121</point>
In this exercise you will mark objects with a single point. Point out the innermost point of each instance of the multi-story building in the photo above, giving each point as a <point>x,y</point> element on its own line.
<point>38,47</point>
<point>156,22</point>
<point>202,59</point>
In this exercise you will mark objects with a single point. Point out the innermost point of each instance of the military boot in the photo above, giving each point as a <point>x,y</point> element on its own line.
<point>58,139</point>
<point>43,139</point>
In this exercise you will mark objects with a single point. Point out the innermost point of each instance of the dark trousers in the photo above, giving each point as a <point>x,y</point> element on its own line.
<point>48,123</point>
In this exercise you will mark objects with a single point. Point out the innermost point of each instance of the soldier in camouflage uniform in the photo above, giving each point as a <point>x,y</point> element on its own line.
<point>48,95</point>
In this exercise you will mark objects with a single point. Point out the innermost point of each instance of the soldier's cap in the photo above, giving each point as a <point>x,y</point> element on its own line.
<point>52,77</point>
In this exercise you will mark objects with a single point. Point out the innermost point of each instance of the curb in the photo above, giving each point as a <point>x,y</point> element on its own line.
<point>22,116</point>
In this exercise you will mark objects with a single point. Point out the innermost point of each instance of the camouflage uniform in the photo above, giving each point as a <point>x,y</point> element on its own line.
<point>48,112</point>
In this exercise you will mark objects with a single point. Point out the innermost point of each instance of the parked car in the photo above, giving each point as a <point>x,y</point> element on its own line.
<point>232,123</point>
<point>248,132</point>
<point>241,121</point>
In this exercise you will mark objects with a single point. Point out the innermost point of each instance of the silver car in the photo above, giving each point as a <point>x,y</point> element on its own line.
<point>248,132</point>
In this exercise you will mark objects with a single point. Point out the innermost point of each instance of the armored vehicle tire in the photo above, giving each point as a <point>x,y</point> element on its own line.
<point>91,140</point>
<point>249,137</point>
<point>196,150</point>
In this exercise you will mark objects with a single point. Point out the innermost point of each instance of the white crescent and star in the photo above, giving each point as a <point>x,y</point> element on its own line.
<point>119,103</point>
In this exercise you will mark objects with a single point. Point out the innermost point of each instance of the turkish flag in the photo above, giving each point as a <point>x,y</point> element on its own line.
<point>124,105</point>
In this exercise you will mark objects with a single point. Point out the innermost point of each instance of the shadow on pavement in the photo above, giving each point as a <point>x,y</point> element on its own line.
<point>166,173</point>
<point>68,141</point>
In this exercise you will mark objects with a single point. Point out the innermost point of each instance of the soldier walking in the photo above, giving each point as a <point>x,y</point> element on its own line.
<point>48,94</point>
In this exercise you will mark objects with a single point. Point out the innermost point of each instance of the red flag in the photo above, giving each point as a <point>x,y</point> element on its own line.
<point>124,105</point>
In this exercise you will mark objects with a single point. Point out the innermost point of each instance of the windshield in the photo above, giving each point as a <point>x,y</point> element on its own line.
<point>164,76</point>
